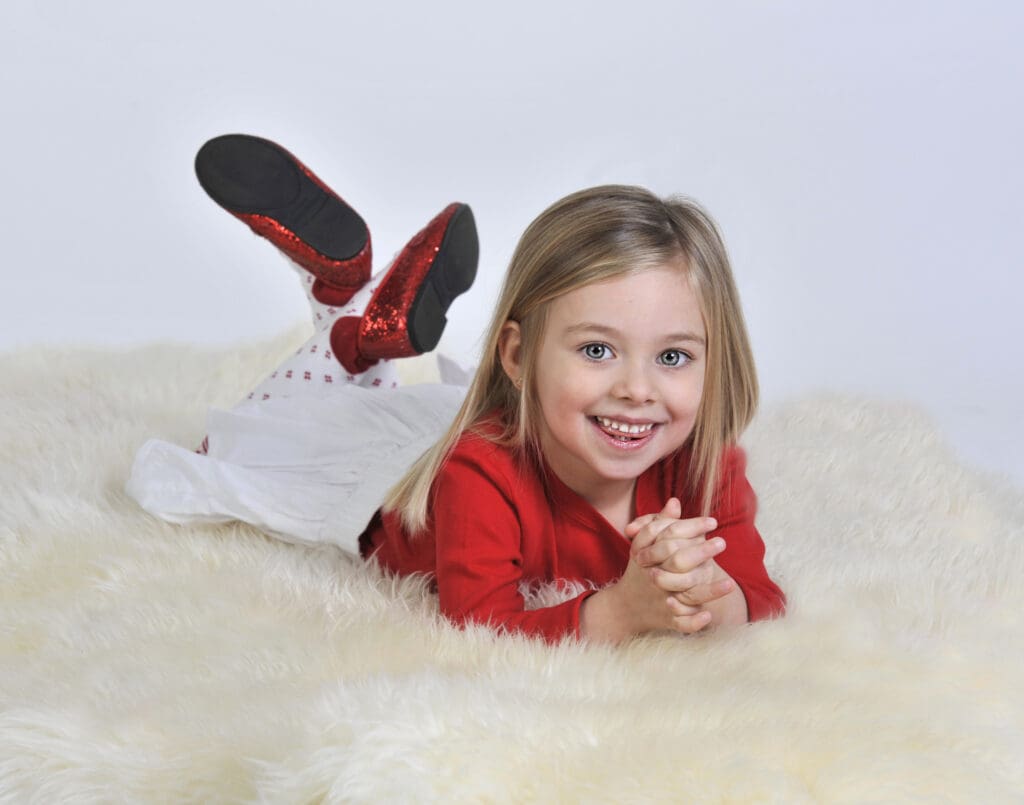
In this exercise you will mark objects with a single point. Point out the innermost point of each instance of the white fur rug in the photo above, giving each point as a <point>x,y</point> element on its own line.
<point>146,662</point>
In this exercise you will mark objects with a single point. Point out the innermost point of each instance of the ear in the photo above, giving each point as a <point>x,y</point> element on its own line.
<point>509,350</point>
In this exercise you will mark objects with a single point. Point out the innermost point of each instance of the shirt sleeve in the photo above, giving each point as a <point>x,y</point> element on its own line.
<point>479,570</point>
<point>743,557</point>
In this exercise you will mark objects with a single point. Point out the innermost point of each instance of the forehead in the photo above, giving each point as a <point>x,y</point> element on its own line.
<point>654,301</point>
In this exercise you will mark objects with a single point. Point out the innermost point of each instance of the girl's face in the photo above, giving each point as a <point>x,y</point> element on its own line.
<point>619,374</point>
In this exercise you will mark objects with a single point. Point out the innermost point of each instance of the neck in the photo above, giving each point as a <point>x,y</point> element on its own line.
<point>611,497</point>
<point>620,511</point>
<point>615,500</point>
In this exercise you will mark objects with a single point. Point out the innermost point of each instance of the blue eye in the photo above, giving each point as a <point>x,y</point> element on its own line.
<point>596,352</point>
<point>673,357</point>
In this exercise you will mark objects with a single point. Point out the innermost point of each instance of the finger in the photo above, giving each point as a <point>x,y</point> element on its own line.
<point>662,529</point>
<point>688,528</point>
<point>672,510</point>
<point>692,555</point>
<point>701,594</point>
<point>689,624</point>
<point>680,555</point>
<point>634,528</point>
<point>680,534</point>
<point>682,582</point>
<point>678,608</point>
<point>650,532</point>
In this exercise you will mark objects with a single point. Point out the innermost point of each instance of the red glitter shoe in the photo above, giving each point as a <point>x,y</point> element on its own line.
<point>406,314</point>
<point>266,187</point>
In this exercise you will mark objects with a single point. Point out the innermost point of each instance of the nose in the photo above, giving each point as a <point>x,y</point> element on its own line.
<point>634,383</point>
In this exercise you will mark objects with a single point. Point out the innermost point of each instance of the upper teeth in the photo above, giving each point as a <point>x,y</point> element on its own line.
<point>624,427</point>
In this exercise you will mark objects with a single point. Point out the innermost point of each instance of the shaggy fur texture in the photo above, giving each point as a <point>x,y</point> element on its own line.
<point>146,662</point>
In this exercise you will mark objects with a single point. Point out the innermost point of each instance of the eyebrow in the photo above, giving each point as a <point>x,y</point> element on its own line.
<point>603,329</point>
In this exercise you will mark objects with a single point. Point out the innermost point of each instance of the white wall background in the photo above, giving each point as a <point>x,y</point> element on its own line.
<point>863,158</point>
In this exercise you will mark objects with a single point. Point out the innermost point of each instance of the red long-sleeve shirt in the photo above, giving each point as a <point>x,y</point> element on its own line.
<point>495,524</point>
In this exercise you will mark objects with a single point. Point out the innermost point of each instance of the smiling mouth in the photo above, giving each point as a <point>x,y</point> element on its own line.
<point>623,432</point>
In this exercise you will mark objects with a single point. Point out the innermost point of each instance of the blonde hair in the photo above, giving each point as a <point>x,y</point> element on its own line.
<point>592,236</point>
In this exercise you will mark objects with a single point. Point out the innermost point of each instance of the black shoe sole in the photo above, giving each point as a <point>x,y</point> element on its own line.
<point>451,274</point>
<point>251,176</point>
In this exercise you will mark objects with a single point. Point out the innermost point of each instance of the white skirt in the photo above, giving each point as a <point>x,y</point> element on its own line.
<point>309,470</point>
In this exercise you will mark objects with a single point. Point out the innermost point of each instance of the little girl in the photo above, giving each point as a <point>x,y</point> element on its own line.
<point>594,452</point>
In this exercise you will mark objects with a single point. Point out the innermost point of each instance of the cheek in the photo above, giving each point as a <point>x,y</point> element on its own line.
<point>550,398</point>
<point>559,386</point>
<point>558,403</point>
<point>688,398</point>
<point>698,394</point>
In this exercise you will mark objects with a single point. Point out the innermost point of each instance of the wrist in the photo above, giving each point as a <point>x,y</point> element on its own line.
<point>730,609</point>
<point>604,617</point>
<point>614,614</point>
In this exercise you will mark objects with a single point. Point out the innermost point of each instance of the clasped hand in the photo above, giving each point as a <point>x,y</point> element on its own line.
<point>678,559</point>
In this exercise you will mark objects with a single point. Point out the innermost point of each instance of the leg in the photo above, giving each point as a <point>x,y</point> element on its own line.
<point>400,312</point>
<point>315,368</point>
<point>360,322</point>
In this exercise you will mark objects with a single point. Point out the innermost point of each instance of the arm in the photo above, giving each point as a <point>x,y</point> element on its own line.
<point>479,567</point>
<point>479,554</point>
<point>743,559</point>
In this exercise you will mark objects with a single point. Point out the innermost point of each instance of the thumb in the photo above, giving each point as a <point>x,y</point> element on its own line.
<point>672,508</point>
